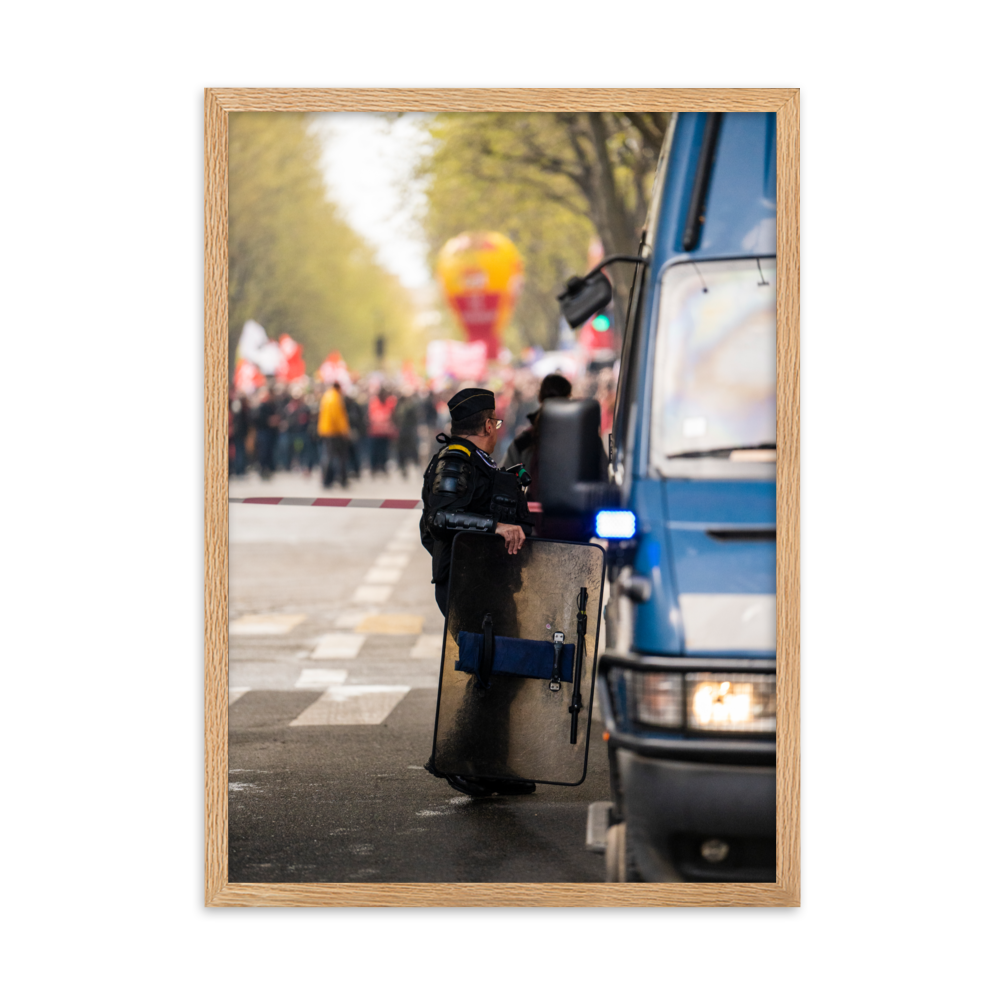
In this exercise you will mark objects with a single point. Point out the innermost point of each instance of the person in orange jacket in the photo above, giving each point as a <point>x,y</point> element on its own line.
<point>333,429</point>
<point>381,429</point>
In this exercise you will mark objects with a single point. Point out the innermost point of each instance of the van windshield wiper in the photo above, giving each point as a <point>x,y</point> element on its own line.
<point>724,452</point>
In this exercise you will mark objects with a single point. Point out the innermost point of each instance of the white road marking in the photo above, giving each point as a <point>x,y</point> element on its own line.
<point>338,646</point>
<point>427,647</point>
<point>379,575</point>
<point>392,561</point>
<point>398,545</point>
<point>265,624</point>
<point>371,594</point>
<point>319,677</point>
<point>352,705</point>
<point>236,693</point>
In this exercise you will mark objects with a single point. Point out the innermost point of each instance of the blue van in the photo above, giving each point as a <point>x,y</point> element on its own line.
<point>687,680</point>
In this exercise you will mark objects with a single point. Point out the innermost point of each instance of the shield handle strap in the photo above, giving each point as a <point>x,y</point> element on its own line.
<point>486,663</point>
<point>576,702</point>
<point>556,681</point>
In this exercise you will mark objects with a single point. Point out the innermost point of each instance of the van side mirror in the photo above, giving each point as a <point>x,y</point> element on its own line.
<point>583,297</point>
<point>575,476</point>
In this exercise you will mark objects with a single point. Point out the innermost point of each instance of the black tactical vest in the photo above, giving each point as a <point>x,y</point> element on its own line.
<point>460,479</point>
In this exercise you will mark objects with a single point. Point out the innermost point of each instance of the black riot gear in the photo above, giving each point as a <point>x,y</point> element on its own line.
<point>464,490</point>
<point>506,498</point>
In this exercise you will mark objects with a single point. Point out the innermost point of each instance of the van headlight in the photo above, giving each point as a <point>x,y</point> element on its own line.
<point>658,699</point>
<point>731,703</point>
<point>703,702</point>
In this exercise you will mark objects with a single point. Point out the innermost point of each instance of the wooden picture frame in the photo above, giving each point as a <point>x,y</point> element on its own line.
<point>219,891</point>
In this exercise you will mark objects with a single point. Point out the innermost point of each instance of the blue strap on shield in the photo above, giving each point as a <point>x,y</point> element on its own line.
<point>519,657</point>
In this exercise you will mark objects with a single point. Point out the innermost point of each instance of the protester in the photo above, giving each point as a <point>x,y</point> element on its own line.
<point>296,418</point>
<point>406,418</point>
<point>312,456</point>
<point>381,429</point>
<point>357,436</point>
<point>333,429</point>
<point>265,423</point>
<point>239,426</point>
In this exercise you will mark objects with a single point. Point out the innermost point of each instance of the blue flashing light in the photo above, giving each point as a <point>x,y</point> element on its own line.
<point>615,524</point>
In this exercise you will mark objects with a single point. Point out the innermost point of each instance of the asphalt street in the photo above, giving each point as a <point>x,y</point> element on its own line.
<point>335,647</point>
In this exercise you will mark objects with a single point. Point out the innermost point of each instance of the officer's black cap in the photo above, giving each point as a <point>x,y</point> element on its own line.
<point>469,401</point>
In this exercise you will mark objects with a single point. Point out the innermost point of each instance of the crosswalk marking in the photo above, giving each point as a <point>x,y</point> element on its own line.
<point>338,646</point>
<point>369,593</point>
<point>352,705</point>
<point>392,561</point>
<point>427,647</point>
<point>391,624</point>
<point>359,616</point>
<point>320,678</point>
<point>399,545</point>
<point>265,624</point>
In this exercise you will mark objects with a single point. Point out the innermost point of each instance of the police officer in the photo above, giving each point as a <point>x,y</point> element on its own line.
<point>464,490</point>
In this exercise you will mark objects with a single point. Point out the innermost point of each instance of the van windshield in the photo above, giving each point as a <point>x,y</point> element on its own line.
<point>714,386</point>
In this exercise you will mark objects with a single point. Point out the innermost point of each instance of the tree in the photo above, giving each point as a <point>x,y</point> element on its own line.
<point>542,171</point>
<point>294,264</point>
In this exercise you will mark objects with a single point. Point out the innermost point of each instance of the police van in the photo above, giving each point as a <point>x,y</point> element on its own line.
<point>687,680</point>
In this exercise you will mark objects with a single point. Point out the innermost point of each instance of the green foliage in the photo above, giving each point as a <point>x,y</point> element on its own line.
<point>549,181</point>
<point>294,264</point>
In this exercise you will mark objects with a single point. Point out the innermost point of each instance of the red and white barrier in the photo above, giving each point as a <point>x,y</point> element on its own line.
<point>535,508</point>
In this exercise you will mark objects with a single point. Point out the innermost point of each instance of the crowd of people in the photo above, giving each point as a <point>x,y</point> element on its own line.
<point>374,423</point>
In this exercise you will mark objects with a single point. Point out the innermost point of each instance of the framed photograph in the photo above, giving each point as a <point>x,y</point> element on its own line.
<point>219,891</point>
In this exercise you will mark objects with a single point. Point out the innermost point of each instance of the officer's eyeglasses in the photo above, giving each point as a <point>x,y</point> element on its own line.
<point>497,423</point>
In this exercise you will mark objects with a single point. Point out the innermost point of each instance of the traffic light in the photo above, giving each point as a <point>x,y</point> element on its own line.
<point>600,322</point>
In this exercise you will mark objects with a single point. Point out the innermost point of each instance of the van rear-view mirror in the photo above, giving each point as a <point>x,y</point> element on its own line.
<point>583,297</point>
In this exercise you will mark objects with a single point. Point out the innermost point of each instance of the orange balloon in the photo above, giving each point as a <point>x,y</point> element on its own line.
<point>481,275</point>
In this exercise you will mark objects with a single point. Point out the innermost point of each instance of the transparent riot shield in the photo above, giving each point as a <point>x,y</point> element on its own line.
<point>520,650</point>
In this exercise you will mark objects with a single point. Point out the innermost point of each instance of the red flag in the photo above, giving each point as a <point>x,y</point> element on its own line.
<point>247,376</point>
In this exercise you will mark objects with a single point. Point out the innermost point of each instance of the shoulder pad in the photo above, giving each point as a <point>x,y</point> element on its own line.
<point>452,474</point>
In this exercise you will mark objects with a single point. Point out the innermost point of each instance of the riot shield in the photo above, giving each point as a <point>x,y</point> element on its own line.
<point>519,656</point>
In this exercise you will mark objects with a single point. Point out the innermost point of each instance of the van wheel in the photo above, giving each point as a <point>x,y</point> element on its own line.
<point>618,858</point>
